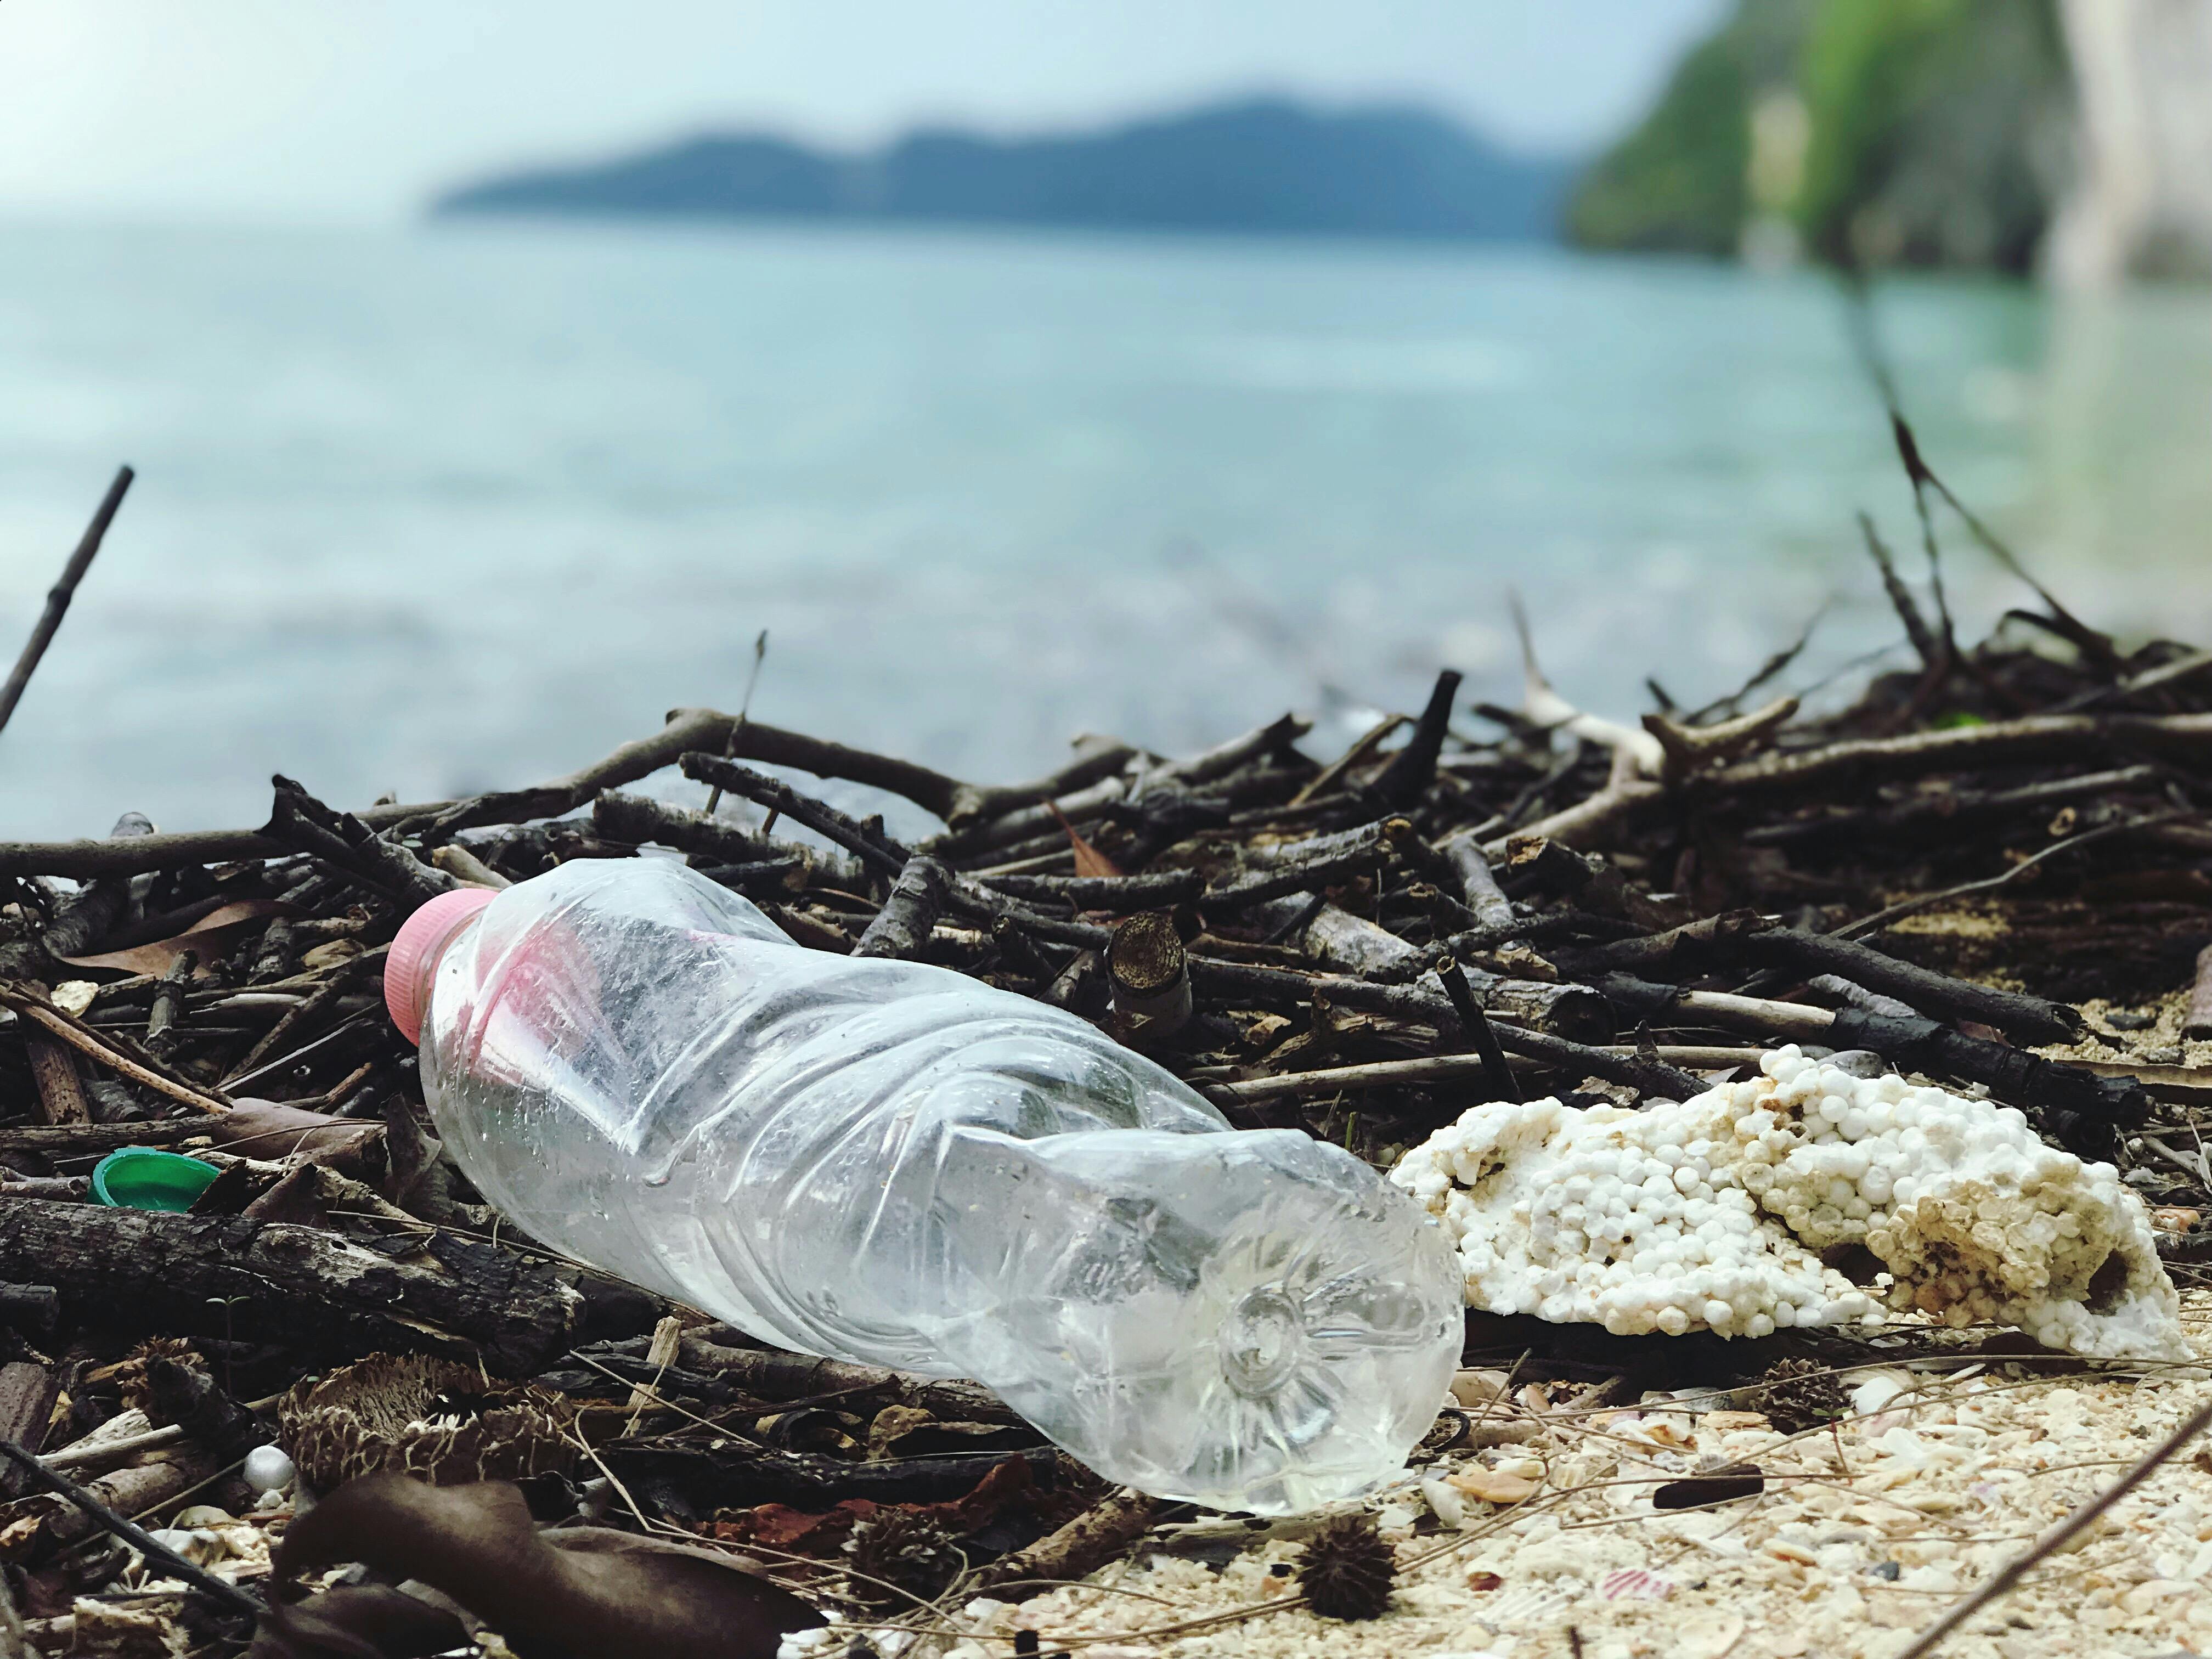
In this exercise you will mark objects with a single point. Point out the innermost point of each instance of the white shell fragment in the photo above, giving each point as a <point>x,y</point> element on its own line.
<point>1716,1214</point>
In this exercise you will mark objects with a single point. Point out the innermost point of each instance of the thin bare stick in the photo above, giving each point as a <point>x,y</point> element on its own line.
<point>80,1037</point>
<point>58,598</point>
<point>1881,919</point>
<point>157,1554</point>
<point>2057,1540</point>
<point>744,712</point>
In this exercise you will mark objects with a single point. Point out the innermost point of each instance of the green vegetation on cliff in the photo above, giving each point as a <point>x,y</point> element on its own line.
<point>1679,183</point>
<point>1931,132</point>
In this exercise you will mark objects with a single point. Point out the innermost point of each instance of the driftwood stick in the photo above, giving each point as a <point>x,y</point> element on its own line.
<point>1077,1550</point>
<point>58,597</point>
<point>1324,861</point>
<point>309,1008</point>
<point>1742,936</point>
<point>707,730</point>
<point>2196,1024</point>
<point>901,927</point>
<point>635,819</point>
<point>1925,644</point>
<point>1476,1024</point>
<point>85,921</point>
<point>38,1012</point>
<point>2187,737</point>
<point>1574,1012</point>
<point>1446,1069</point>
<point>171,1564</point>
<point>320,1290</point>
<point>309,824</point>
<point>1489,906</point>
<point>1414,768</point>
<point>61,1095</point>
<point>2013,1074</point>
<point>1590,823</point>
<point>1115,894</point>
<point>1956,809</point>
<point>1692,749</point>
<point>870,846</point>
<point>2031,1020</point>
<point>1149,972</point>
<point>1206,766</point>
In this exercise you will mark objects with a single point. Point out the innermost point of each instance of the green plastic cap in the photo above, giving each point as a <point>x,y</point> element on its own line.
<point>142,1178</point>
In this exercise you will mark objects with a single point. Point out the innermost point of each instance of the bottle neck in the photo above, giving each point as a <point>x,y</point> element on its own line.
<point>426,971</point>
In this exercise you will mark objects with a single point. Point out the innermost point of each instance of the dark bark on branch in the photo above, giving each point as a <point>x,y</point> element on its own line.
<point>869,845</point>
<point>1740,936</point>
<point>53,1072</point>
<point>306,824</point>
<point>1327,869</point>
<point>694,1479</point>
<point>1414,768</point>
<point>635,819</point>
<point>2197,1023</point>
<point>1115,894</point>
<point>2025,1080</point>
<point>2187,737</point>
<point>1951,812</point>
<point>27,1404</point>
<point>1576,1011</point>
<point>299,1285</point>
<point>1480,1034</point>
<point>1206,766</point>
<point>774,1375</point>
<point>58,597</point>
<point>1072,1553</point>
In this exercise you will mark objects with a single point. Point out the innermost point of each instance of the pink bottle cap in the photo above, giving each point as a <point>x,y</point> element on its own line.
<point>422,936</point>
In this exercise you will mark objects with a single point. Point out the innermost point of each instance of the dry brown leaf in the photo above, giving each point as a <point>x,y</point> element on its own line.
<point>271,1131</point>
<point>211,937</point>
<point>1089,860</point>
<point>578,1593</point>
<point>358,1621</point>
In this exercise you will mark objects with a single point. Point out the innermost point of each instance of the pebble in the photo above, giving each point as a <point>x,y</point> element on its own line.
<point>268,1469</point>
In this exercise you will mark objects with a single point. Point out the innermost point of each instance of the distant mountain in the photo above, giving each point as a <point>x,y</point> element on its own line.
<point>1266,167</point>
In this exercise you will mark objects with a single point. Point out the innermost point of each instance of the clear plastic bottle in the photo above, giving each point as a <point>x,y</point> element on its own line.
<point>887,1162</point>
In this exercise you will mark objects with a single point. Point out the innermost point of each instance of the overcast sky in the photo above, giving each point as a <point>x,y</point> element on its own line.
<point>353,109</point>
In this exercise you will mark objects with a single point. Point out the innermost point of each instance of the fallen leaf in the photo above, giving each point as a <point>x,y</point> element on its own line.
<point>209,939</point>
<point>779,1526</point>
<point>1089,860</point>
<point>1720,1486</point>
<point>576,1592</point>
<point>357,1619</point>
<point>271,1131</point>
<point>1492,1486</point>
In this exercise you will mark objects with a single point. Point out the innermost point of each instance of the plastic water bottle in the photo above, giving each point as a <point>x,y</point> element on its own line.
<point>889,1163</point>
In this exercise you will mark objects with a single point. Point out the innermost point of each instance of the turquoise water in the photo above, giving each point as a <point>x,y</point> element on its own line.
<point>431,510</point>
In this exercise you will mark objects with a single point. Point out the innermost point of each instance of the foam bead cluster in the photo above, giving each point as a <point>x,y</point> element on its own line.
<point>1806,1196</point>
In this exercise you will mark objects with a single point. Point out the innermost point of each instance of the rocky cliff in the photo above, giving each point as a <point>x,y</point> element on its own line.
<point>2073,135</point>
